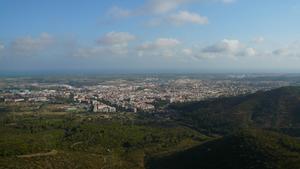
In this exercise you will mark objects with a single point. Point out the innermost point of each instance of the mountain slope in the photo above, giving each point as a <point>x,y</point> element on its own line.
<point>278,108</point>
<point>243,150</point>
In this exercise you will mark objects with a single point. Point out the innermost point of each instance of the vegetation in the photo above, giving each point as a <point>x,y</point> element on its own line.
<point>279,108</point>
<point>247,149</point>
<point>226,133</point>
<point>42,140</point>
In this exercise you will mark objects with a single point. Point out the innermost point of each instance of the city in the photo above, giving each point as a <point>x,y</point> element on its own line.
<point>149,84</point>
<point>138,94</point>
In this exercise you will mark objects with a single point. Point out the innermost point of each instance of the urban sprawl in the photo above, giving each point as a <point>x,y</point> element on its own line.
<point>132,95</point>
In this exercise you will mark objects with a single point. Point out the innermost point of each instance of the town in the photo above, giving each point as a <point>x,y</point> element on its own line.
<point>146,94</point>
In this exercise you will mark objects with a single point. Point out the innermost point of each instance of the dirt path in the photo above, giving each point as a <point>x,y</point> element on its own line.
<point>51,153</point>
<point>75,144</point>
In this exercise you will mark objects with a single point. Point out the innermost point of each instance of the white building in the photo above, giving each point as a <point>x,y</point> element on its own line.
<point>100,107</point>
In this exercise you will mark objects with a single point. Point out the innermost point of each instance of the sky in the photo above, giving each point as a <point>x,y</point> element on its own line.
<point>150,35</point>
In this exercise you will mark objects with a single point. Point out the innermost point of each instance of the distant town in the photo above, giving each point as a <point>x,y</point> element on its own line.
<point>147,94</point>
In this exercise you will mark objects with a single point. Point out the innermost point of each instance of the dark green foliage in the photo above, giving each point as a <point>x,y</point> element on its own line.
<point>84,140</point>
<point>279,108</point>
<point>160,103</point>
<point>87,144</point>
<point>251,149</point>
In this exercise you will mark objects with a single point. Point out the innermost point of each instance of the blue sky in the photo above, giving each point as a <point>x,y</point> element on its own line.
<point>196,35</point>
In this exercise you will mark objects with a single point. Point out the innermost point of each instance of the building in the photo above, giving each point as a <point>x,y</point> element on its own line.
<point>100,107</point>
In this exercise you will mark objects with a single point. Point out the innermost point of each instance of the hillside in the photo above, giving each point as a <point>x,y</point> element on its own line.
<point>56,140</point>
<point>278,108</point>
<point>242,150</point>
<point>35,136</point>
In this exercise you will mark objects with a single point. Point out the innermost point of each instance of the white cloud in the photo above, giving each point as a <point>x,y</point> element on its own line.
<point>248,52</point>
<point>258,40</point>
<point>113,44</point>
<point>196,54</point>
<point>164,10</point>
<point>167,42</point>
<point>161,46</point>
<point>229,47</point>
<point>110,44</point>
<point>183,17</point>
<point>164,6</point>
<point>29,45</point>
<point>225,46</point>
<point>116,38</point>
<point>160,43</point>
<point>187,51</point>
<point>87,52</point>
<point>281,52</point>
<point>227,1</point>
<point>117,12</point>
<point>204,56</point>
<point>115,48</point>
<point>1,46</point>
<point>150,7</point>
<point>287,52</point>
<point>101,51</point>
<point>291,50</point>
